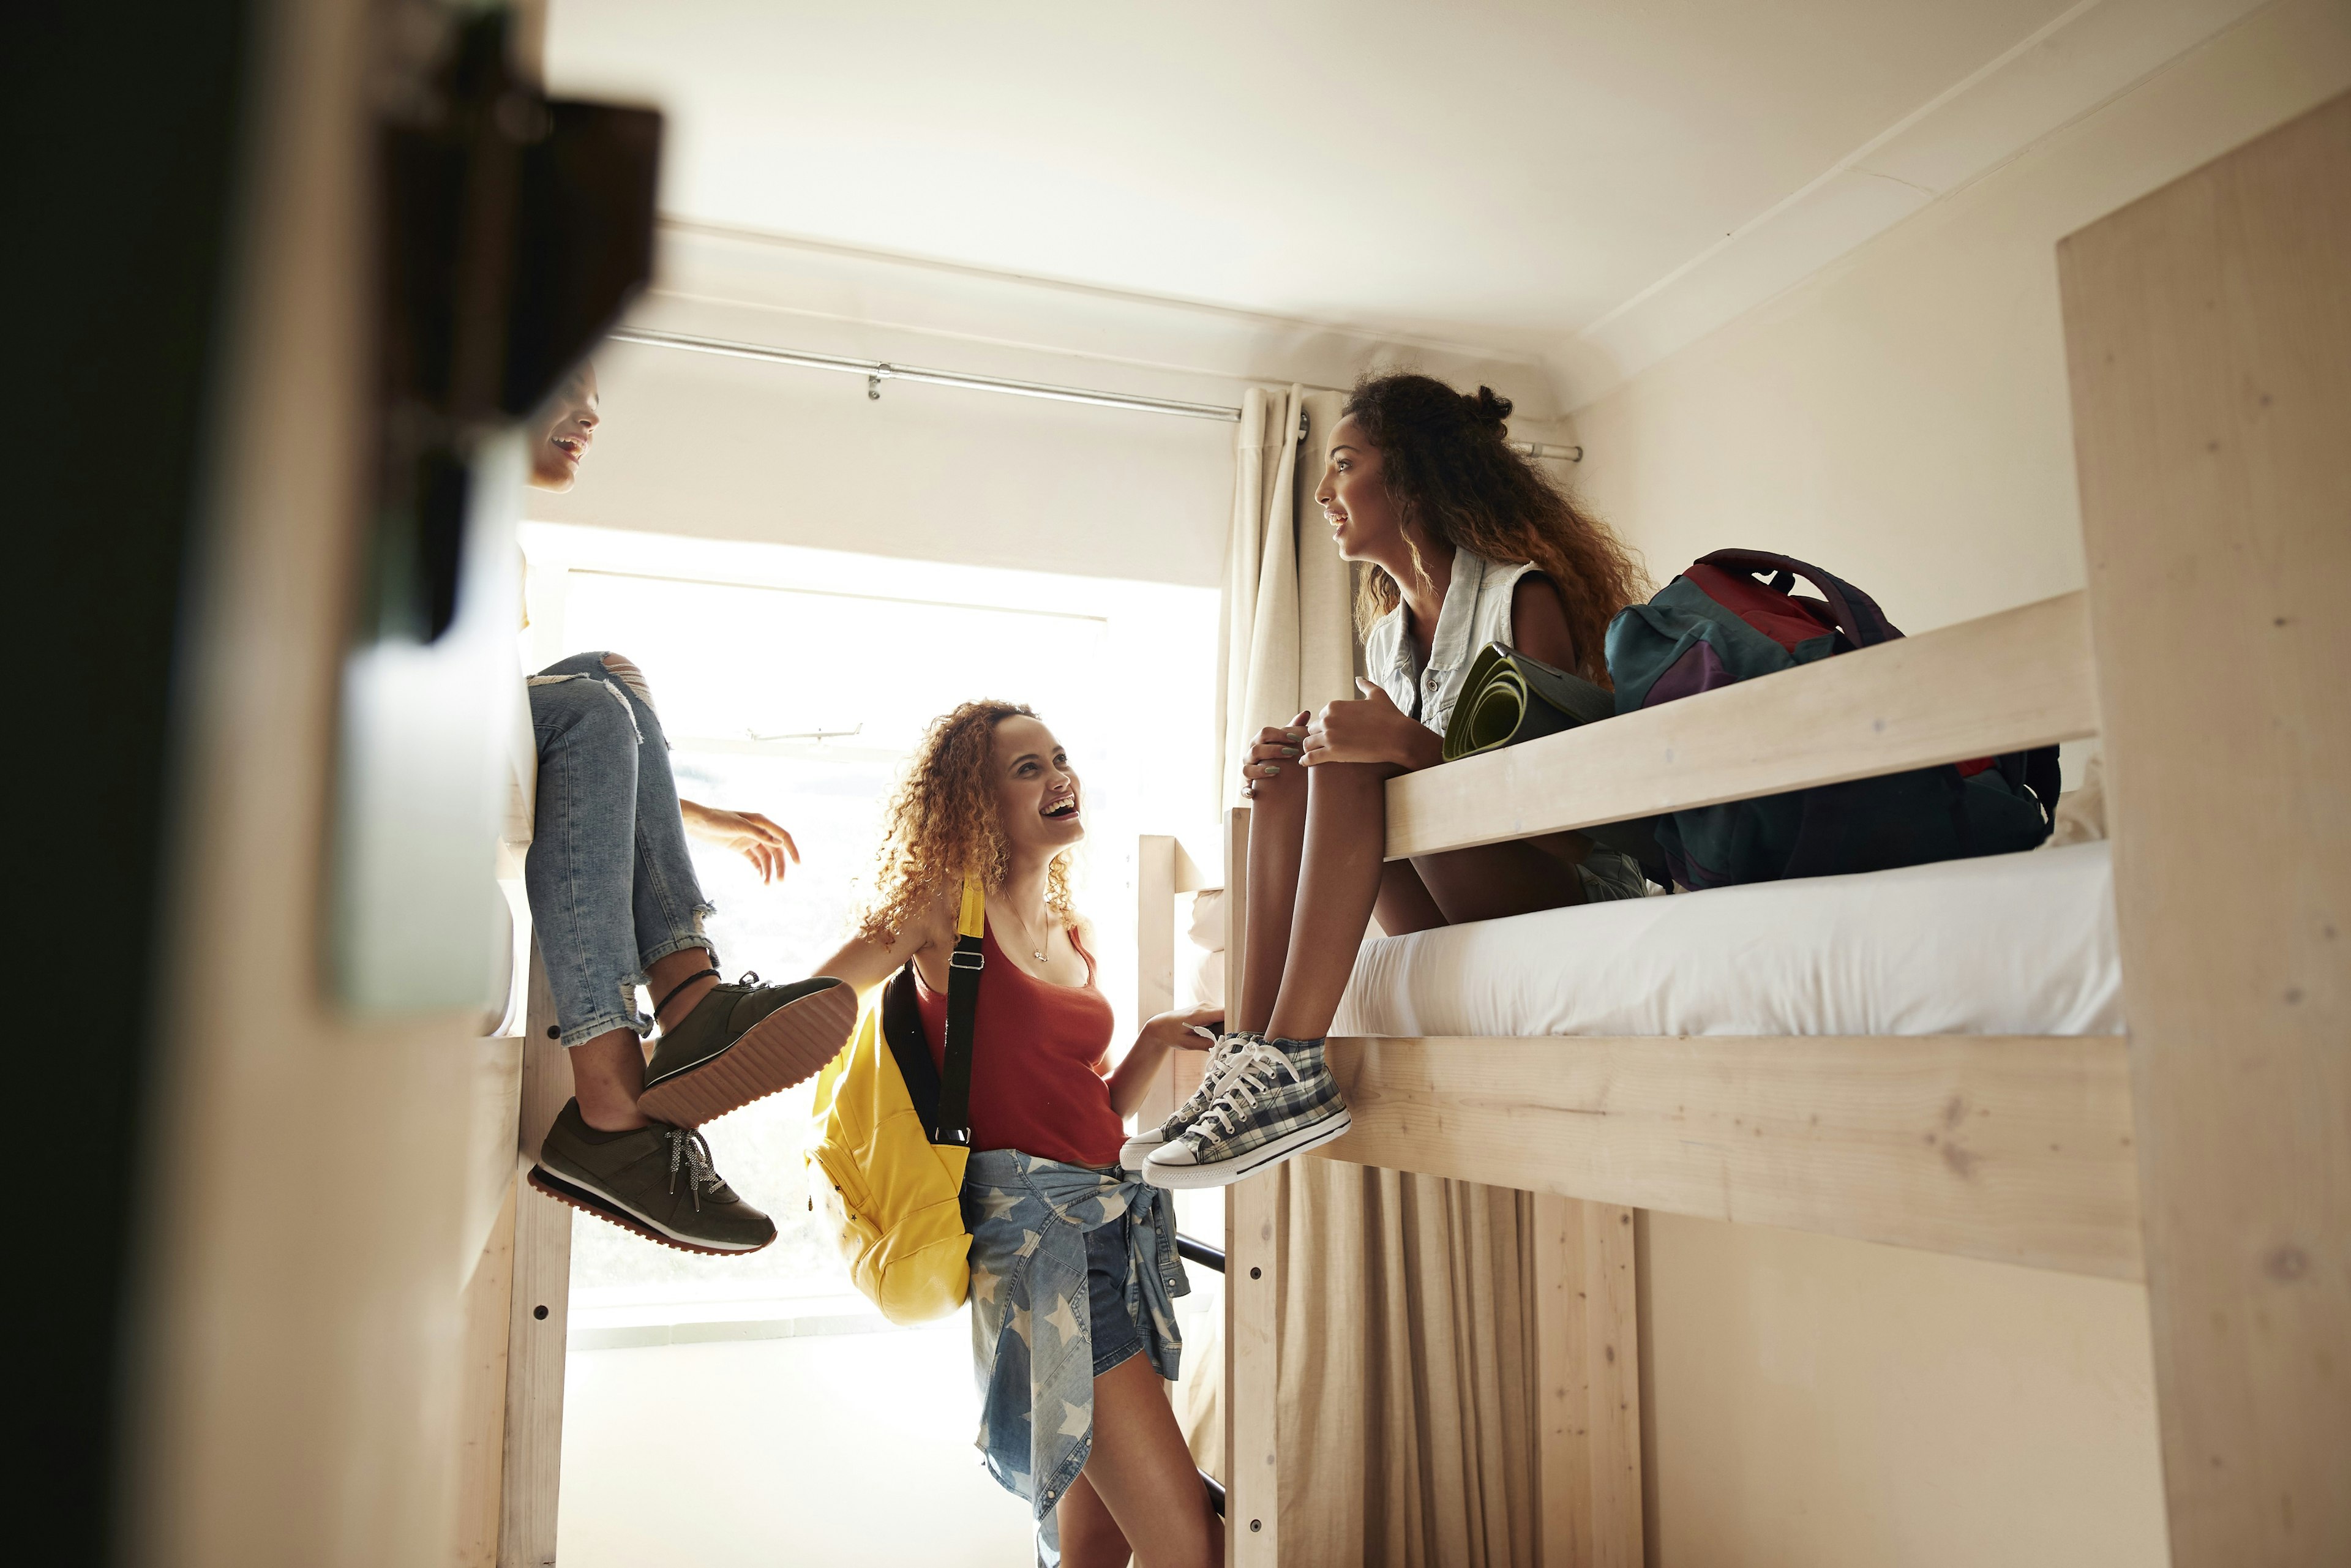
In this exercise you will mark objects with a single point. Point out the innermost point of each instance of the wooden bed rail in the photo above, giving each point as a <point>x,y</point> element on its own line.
<point>2017,1149</point>
<point>2001,682</point>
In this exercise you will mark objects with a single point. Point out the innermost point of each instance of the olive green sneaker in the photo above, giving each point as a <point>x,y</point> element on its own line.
<point>655,1180</point>
<point>743,1043</point>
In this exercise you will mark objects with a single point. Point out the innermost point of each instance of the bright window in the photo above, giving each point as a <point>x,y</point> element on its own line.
<point>794,682</point>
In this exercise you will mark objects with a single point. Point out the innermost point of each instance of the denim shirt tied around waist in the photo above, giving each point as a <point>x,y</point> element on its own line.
<point>1031,1327</point>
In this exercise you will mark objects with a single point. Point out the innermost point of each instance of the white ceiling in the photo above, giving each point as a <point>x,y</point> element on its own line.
<point>1493,174</point>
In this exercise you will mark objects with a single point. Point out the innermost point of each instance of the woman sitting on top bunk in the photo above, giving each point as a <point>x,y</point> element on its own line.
<point>1467,544</point>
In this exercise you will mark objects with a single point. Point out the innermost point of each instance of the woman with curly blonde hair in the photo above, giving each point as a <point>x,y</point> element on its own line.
<point>1070,1254</point>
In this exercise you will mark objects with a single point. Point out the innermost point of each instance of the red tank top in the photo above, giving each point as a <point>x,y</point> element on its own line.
<point>1037,1064</point>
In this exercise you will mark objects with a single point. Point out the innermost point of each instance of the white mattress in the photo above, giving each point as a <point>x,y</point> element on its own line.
<point>2020,944</point>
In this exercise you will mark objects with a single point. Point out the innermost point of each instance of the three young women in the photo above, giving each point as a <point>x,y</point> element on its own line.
<point>1074,1259</point>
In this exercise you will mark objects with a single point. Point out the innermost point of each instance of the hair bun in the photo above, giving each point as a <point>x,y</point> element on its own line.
<point>1487,408</point>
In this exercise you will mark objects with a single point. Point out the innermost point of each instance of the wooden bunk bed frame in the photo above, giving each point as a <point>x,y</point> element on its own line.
<point>2209,1153</point>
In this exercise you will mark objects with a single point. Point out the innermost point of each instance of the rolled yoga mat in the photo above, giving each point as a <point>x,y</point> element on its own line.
<point>1507,697</point>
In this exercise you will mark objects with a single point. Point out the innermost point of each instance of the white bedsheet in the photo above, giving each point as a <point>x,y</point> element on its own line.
<point>2020,944</point>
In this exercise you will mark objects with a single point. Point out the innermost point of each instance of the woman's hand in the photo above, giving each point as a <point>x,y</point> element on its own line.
<point>1176,1030</point>
<point>1273,758</point>
<point>1130,1081</point>
<point>1372,729</point>
<point>767,846</point>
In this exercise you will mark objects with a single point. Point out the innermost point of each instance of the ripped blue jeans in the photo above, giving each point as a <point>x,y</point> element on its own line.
<point>612,887</point>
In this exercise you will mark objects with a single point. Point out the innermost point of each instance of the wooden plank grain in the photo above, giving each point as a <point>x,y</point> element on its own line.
<point>1252,1369</point>
<point>2209,344</point>
<point>1587,1385</point>
<point>2012,1148</point>
<point>1562,1415</point>
<point>2001,682</point>
<point>1612,1384</point>
<point>1236,833</point>
<point>1252,1374</point>
<point>1155,961</point>
<point>538,1320</point>
<point>482,1397</point>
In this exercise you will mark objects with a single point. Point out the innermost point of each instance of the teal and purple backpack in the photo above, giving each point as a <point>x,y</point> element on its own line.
<point>1716,625</point>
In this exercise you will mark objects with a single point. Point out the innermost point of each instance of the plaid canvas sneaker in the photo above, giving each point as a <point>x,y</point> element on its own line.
<point>1137,1149</point>
<point>743,1043</point>
<point>1277,1100</point>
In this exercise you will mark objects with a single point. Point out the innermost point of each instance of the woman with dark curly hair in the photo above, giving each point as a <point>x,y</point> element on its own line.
<point>1070,1255</point>
<point>1467,543</point>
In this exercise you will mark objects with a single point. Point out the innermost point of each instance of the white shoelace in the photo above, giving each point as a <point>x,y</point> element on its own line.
<point>1249,1076</point>
<point>1212,1079</point>
<point>686,1148</point>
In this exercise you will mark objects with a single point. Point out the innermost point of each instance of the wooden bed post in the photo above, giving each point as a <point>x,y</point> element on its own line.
<point>2209,336</point>
<point>482,1418</point>
<point>1588,1385</point>
<point>1155,962</point>
<point>538,1316</point>
<point>1252,1374</point>
<point>1252,1371</point>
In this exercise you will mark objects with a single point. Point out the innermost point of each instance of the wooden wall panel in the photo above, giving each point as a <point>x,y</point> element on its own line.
<point>2209,341</point>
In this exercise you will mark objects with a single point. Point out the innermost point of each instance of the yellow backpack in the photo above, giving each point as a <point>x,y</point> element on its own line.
<point>897,1132</point>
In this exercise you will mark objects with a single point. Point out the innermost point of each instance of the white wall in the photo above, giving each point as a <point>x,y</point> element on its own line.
<point>735,449</point>
<point>1901,418</point>
<point>739,449</point>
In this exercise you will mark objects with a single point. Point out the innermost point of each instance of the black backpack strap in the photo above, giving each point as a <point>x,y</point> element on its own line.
<point>902,1031</point>
<point>1856,614</point>
<point>953,1123</point>
<point>2044,777</point>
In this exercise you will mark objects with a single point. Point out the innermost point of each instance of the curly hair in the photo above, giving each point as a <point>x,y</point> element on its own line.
<point>941,824</point>
<point>1453,479</point>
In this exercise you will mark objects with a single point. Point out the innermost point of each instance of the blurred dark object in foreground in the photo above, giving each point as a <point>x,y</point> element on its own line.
<point>515,230</point>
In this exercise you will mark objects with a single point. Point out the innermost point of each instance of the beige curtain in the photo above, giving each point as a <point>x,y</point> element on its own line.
<point>1405,1331</point>
<point>1407,1426</point>
<point>1287,643</point>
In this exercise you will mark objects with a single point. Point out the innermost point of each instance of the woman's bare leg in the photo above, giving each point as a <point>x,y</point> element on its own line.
<point>1338,879</point>
<point>1341,878</point>
<point>1090,1536</point>
<point>1277,839</point>
<point>1494,881</point>
<point>1405,904</point>
<point>1316,873</point>
<point>1142,1474</point>
<point>608,1072</point>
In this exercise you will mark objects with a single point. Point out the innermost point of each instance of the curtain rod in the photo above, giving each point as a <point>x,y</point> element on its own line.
<point>876,372</point>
